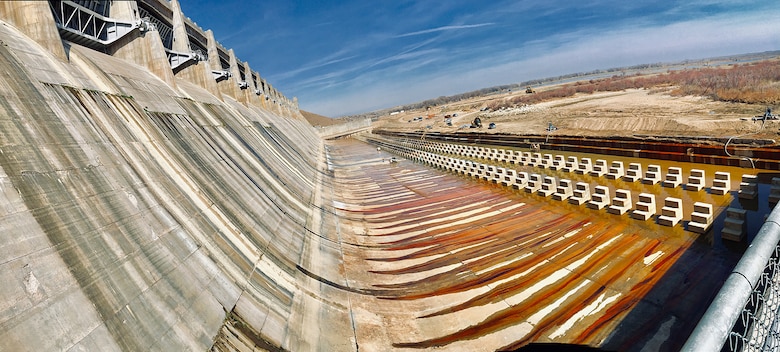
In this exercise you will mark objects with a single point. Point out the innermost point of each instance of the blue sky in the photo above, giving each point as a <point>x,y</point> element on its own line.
<point>351,56</point>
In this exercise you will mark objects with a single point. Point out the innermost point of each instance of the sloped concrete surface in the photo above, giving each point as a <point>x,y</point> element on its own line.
<point>140,217</point>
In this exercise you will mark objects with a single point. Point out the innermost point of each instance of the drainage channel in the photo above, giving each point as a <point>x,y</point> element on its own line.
<point>691,260</point>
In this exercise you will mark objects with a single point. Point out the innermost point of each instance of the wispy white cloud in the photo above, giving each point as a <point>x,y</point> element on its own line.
<point>313,65</point>
<point>406,57</point>
<point>560,53</point>
<point>445,28</point>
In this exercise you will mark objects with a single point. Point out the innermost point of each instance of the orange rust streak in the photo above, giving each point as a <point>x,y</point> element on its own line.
<point>436,210</point>
<point>635,294</point>
<point>495,242</point>
<point>453,230</point>
<point>591,292</point>
<point>434,219</point>
<point>385,204</point>
<point>442,283</point>
<point>522,224</point>
<point>507,317</point>
<point>516,286</point>
<point>405,202</point>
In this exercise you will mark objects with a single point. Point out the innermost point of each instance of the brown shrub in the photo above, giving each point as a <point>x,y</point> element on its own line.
<point>757,83</point>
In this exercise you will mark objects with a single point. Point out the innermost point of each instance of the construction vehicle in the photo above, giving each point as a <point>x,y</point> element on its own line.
<point>766,116</point>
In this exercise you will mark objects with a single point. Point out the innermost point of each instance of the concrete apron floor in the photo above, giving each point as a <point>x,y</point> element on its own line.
<point>445,261</point>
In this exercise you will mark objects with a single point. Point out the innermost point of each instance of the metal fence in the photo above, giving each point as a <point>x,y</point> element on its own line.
<point>744,314</point>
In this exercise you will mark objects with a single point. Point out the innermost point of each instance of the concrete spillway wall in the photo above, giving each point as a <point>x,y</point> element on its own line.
<point>346,128</point>
<point>136,214</point>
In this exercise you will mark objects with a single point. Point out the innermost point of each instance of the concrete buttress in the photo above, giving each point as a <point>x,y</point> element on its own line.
<point>34,19</point>
<point>146,50</point>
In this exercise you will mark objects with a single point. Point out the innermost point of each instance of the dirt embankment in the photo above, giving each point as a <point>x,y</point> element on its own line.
<point>633,112</point>
<point>318,120</point>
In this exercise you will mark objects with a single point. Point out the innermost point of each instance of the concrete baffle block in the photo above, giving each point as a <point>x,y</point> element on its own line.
<point>534,183</point>
<point>600,198</point>
<point>721,184</point>
<point>558,163</point>
<point>549,185</point>
<point>571,164</point>
<point>526,159</point>
<point>521,180</point>
<point>536,159</point>
<point>671,213</point>
<point>564,190</point>
<point>600,168</point>
<point>653,175</point>
<point>633,173</point>
<point>621,204</point>
<point>509,178</point>
<point>673,177</point>
<point>476,170</point>
<point>492,154</point>
<point>515,158</point>
<point>547,161</point>
<point>489,172</point>
<point>735,225</point>
<point>585,166</point>
<point>701,217</point>
<point>499,175</point>
<point>695,180</point>
<point>748,188</point>
<point>468,168</point>
<point>507,156</point>
<point>581,194</point>
<point>454,165</point>
<point>616,170</point>
<point>645,207</point>
<point>460,166</point>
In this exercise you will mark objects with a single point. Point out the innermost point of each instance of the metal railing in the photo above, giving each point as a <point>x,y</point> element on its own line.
<point>744,314</point>
<point>87,27</point>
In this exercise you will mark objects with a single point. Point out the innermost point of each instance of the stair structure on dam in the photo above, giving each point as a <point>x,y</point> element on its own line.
<point>157,194</point>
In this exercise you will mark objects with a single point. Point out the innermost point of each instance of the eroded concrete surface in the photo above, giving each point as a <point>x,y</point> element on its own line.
<point>447,262</point>
<point>140,216</point>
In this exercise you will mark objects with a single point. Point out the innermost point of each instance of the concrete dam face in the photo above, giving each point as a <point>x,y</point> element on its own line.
<point>159,195</point>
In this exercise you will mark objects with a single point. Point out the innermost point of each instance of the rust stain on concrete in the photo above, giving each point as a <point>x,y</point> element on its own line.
<point>519,262</point>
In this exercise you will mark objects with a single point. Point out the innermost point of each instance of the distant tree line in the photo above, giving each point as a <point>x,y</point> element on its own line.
<point>755,83</point>
<point>728,86</point>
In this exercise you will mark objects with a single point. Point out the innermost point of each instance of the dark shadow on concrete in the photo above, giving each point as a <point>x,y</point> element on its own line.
<point>670,311</point>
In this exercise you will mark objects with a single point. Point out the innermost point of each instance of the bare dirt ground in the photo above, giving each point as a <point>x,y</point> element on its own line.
<point>634,112</point>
